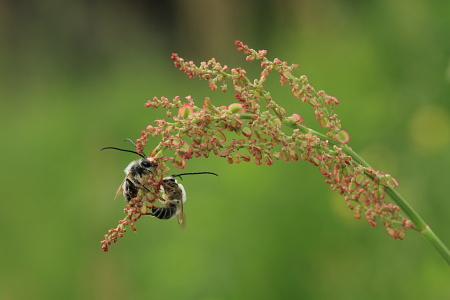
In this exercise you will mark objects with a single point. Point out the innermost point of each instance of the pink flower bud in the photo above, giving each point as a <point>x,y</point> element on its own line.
<point>179,162</point>
<point>186,111</point>
<point>236,108</point>
<point>296,119</point>
<point>185,147</point>
<point>342,137</point>
<point>220,136</point>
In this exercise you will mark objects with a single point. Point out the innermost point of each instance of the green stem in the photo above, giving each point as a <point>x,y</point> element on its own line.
<point>419,224</point>
<point>409,212</point>
<point>437,243</point>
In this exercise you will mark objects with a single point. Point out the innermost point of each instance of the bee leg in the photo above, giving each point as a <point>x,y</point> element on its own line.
<point>139,184</point>
<point>153,210</point>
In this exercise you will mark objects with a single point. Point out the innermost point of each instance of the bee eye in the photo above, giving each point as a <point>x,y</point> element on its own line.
<point>146,164</point>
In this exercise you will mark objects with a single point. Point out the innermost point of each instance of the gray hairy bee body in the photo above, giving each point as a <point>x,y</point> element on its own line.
<point>173,197</point>
<point>136,172</point>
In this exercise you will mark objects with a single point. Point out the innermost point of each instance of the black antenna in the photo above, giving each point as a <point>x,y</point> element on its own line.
<point>127,139</point>
<point>125,150</point>
<point>182,174</point>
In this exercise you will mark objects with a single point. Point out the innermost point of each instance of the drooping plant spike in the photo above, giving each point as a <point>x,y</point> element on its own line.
<point>255,127</point>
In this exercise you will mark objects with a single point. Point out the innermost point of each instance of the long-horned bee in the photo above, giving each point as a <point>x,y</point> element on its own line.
<point>173,198</point>
<point>136,171</point>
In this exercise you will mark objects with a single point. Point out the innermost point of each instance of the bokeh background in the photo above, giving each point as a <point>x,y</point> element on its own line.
<point>74,78</point>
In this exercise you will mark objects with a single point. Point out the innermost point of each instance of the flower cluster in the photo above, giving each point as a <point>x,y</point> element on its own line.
<point>255,127</point>
<point>138,206</point>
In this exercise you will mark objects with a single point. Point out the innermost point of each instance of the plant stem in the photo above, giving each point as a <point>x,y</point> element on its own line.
<point>419,224</point>
<point>409,212</point>
<point>437,243</point>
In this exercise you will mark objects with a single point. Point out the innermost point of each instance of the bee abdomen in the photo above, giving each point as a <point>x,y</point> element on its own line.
<point>164,212</point>
<point>130,190</point>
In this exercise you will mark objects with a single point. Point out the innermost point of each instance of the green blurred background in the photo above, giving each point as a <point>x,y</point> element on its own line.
<point>74,78</point>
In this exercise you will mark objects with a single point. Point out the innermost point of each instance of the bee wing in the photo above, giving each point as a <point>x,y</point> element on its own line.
<point>120,189</point>
<point>181,216</point>
<point>182,220</point>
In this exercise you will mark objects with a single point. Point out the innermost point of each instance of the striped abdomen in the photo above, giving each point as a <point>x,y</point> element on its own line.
<point>164,212</point>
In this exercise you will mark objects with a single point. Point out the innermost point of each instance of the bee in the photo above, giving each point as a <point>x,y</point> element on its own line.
<point>173,198</point>
<point>136,172</point>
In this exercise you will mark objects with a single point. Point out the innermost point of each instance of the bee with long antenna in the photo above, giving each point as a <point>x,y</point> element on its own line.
<point>136,171</point>
<point>173,198</point>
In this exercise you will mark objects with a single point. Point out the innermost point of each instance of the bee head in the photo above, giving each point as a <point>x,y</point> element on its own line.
<point>147,163</point>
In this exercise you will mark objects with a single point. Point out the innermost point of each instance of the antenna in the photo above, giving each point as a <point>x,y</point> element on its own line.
<point>197,173</point>
<point>127,139</point>
<point>125,150</point>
